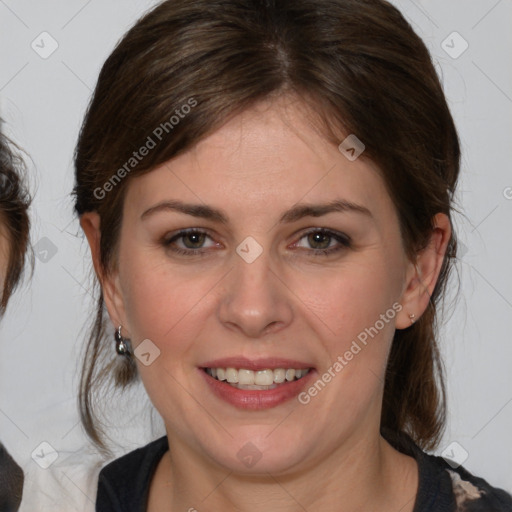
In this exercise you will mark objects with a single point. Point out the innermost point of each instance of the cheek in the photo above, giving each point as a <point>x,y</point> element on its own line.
<point>171,304</point>
<point>347,300</point>
<point>161,303</point>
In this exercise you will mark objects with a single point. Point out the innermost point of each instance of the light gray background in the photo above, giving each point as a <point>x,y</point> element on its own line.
<point>43,102</point>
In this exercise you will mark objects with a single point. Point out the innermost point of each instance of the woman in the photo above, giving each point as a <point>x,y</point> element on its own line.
<point>266,189</point>
<point>14,236</point>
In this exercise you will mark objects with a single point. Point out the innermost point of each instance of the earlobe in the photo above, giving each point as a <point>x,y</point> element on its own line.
<point>90,223</point>
<point>422,275</point>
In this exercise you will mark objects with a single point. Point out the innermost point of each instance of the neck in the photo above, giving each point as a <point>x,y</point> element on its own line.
<point>365,473</point>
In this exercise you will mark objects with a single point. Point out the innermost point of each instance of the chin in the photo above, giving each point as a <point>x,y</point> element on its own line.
<point>261,450</point>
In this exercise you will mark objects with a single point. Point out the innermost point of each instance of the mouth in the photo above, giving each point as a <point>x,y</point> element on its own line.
<point>259,380</point>
<point>256,385</point>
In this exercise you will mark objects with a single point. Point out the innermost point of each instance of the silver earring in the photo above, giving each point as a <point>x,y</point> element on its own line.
<point>122,344</point>
<point>412,316</point>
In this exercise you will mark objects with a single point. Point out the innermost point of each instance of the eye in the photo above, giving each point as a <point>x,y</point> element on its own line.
<point>320,242</point>
<point>188,242</point>
<point>324,242</point>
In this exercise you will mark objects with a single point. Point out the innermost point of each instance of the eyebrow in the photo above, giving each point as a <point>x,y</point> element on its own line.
<point>294,214</point>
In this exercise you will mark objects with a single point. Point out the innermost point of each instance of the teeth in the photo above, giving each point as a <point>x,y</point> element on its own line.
<point>264,377</point>
<point>246,377</point>
<point>253,388</point>
<point>290,375</point>
<point>279,375</point>
<point>259,379</point>
<point>231,375</point>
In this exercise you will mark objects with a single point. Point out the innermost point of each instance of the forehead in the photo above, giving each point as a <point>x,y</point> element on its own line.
<point>268,157</point>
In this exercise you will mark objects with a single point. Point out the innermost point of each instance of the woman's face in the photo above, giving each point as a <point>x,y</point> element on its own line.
<point>273,279</point>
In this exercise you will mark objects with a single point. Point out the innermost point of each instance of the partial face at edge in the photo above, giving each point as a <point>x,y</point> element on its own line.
<point>5,246</point>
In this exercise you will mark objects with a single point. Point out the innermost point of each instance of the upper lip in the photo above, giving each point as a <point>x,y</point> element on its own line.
<point>256,364</point>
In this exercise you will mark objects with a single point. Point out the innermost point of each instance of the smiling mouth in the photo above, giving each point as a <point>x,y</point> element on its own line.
<point>259,380</point>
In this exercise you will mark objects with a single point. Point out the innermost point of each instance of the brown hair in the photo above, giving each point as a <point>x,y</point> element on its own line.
<point>14,204</point>
<point>357,63</point>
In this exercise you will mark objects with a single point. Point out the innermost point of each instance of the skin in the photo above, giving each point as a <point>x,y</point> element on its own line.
<point>289,302</point>
<point>4,251</point>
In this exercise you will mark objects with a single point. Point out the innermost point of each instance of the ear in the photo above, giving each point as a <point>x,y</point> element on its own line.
<point>109,281</point>
<point>422,275</point>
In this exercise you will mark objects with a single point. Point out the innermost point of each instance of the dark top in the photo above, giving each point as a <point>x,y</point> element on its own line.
<point>123,484</point>
<point>11,482</point>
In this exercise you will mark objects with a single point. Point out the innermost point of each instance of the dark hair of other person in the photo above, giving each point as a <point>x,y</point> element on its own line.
<point>14,204</point>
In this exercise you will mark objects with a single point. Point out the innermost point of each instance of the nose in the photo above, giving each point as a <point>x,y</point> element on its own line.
<point>255,300</point>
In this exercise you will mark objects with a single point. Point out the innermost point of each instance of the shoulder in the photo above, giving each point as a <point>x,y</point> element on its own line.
<point>474,494</point>
<point>123,484</point>
<point>68,485</point>
<point>446,486</point>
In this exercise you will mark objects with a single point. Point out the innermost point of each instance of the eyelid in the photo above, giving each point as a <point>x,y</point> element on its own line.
<point>327,231</point>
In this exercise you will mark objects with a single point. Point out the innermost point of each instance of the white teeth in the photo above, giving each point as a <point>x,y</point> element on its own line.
<point>242,378</point>
<point>264,377</point>
<point>290,375</point>
<point>231,375</point>
<point>254,387</point>
<point>279,375</point>
<point>246,377</point>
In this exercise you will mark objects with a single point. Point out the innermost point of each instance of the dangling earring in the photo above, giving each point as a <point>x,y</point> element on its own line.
<point>122,344</point>
<point>412,316</point>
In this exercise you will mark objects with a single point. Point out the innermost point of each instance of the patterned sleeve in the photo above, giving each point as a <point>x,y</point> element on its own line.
<point>473,494</point>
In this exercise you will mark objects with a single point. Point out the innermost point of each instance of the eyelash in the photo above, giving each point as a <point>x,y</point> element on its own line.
<point>342,239</point>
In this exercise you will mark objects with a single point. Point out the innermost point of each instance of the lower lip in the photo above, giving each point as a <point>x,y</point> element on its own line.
<point>256,399</point>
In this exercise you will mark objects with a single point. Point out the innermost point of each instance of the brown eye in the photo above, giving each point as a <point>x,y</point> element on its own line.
<point>322,242</point>
<point>319,240</point>
<point>189,242</point>
<point>193,240</point>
